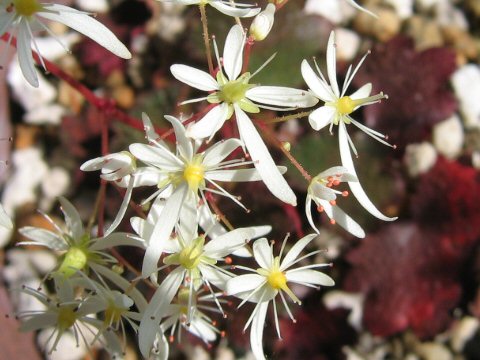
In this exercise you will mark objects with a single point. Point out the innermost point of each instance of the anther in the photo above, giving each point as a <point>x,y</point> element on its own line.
<point>320,208</point>
<point>345,193</point>
<point>332,221</point>
<point>333,202</point>
<point>228,260</point>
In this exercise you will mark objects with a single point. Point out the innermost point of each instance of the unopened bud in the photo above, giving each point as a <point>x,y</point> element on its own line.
<point>262,24</point>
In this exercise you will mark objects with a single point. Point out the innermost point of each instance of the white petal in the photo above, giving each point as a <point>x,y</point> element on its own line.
<point>162,230</point>
<point>308,213</point>
<point>233,52</point>
<point>149,129</point>
<point>39,321</point>
<point>317,85</point>
<point>239,175</point>
<point>87,26</point>
<point>207,126</point>
<point>202,329</point>
<point>309,276</point>
<point>123,207</point>
<point>149,325</point>
<point>363,92</point>
<point>342,219</point>
<point>262,252</point>
<point>156,156</point>
<point>5,220</point>
<point>184,144</point>
<point>320,191</point>
<point>338,170</point>
<point>72,218</point>
<point>354,4</point>
<point>296,250</point>
<point>116,239</point>
<point>43,237</point>
<point>281,96</point>
<point>232,11</point>
<point>256,331</point>
<point>244,283</point>
<point>321,117</point>
<point>193,77</point>
<point>214,276</point>
<point>356,187</point>
<point>24,52</point>
<point>224,245</point>
<point>263,160</point>
<point>332,63</point>
<point>220,151</point>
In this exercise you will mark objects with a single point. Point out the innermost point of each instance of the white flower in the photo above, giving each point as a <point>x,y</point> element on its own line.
<point>337,110</point>
<point>233,93</point>
<point>196,265</point>
<point>270,280</point>
<point>65,313</point>
<point>227,7</point>
<point>5,220</point>
<point>80,250</point>
<point>183,177</point>
<point>199,323</point>
<point>321,191</point>
<point>262,24</point>
<point>23,17</point>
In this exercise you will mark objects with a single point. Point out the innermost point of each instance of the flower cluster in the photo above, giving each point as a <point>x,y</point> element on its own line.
<point>191,251</point>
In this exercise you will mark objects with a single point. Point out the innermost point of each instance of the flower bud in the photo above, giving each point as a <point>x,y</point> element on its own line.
<point>262,24</point>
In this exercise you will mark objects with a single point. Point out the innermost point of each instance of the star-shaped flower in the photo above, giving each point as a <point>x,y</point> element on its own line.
<point>233,93</point>
<point>183,177</point>
<point>23,17</point>
<point>321,191</point>
<point>337,110</point>
<point>80,251</point>
<point>270,280</point>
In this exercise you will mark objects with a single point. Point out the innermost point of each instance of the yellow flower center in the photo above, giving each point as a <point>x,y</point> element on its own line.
<point>345,105</point>
<point>194,174</point>
<point>277,280</point>
<point>27,7</point>
<point>114,313</point>
<point>75,259</point>
<point>66,317</point>
<point>234,91</point>
<point>191,256</point>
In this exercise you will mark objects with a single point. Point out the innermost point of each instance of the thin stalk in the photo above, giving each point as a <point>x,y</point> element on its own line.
<point>288,117</point>
<point>206,37</point>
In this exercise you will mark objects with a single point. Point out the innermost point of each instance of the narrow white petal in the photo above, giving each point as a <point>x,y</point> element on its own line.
<point>116,239</point>
<point>149,325</point>
<point>296,249</point>
<point>334,171</point>
<point>184,144</point>
<point>322,192</point>
<point>356,187</point>
<point>220,151</point>
<point>263,160</point>
<point>149,129</point>
<point>233,52</point>
<point>342,219</point>
<point>281,96</point>
<point>244,283</point>
<point>87,26</point>
<point>363,92</point>
<point>332,63</point>
<point>72,218</point>
<point>308,213</point>
<point>232,11</point>
<point>317,85</point>
<point>224,245</point>
<point>207,126</point>
<point>40,321</point>
<point>256,332</point>
<point>24,52</point>
<point>309,276</point>
<point>162,230</point>
<point>262,252</point>
<point>238,175</point>
<point>193,77</point>
<point>5,220</point>
<point>215,276</point>
<point>123,207</point>
<point>321,117</point>
<point>43,237</point>
<point>156,156</point>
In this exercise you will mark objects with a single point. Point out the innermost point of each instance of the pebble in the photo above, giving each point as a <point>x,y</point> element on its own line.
<point>466,83</point>
<point>419,158</point>
<point>448,137</point>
